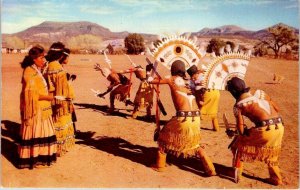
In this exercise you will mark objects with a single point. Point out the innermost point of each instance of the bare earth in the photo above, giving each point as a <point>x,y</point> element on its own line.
<point>115,151</point>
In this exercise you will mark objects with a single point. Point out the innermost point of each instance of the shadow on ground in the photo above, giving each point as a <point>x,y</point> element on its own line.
<point>118,147</point>
<point>146,155</point>
<point>103,109</point>
<point>9,140</point>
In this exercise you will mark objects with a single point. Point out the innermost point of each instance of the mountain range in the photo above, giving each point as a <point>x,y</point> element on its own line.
<point>61,31</point>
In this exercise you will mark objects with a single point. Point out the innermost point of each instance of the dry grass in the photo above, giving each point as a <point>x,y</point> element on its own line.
<point>114,151</point>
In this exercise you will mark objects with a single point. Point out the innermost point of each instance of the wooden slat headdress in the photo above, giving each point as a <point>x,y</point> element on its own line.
<point>223,68</point>
<point>177,48</point>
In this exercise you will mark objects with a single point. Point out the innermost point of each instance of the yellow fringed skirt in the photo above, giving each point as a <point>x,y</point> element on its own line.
<point>64,133</point>
<point>180,136</point>
<point>210,106</point>
<point>263,144</point>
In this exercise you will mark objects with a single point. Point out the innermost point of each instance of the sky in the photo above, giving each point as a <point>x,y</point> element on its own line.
<point>151,16</point>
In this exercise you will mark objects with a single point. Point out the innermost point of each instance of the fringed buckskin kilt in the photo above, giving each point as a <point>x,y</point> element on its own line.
<point>120,92</point>
<point>144,95</point>
<point>210,106</point>
<point>180,136</point>
<point>37,145</point>
<point>263,144</point>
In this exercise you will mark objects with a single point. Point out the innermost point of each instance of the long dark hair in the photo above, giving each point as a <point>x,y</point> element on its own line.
<point>65,54</point>
<point>33,53</point>
<point>55,52</point>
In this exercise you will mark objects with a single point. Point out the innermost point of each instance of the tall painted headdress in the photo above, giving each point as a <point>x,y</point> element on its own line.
<point>225,67</point>
<point>177,48</point>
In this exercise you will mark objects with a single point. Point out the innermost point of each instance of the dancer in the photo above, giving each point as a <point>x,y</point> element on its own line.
<point>262,142</point>
<point>144,95</point>
<point>38,141</point>
<point>181,134</point>
<point>207,99</point>
<point>119,87</point>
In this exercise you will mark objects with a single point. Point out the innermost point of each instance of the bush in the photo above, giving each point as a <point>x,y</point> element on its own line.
<point>215,45</point>
<point>134,44</point>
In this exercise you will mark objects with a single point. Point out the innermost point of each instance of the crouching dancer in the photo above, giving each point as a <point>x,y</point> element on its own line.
<point>119,87</point>
<point>261,142</point>
<point>181,134</point>
<point>144,95</point>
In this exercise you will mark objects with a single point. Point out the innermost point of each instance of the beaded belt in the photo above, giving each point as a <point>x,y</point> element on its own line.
<point>268,122</point>
<point>188,113</point>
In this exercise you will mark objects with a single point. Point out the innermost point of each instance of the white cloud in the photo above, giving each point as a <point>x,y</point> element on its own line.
<point>43,9</point>
<point>292,4</point>
<point>249,2</point>
<point>99,10</point>
<point>137,2</point>
<point>12,27</point>
<point>166,6</point>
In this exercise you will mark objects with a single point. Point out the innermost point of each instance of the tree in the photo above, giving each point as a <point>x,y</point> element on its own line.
<point>110,49</point>
<point>134,43</point>
<point>279,36</point>
<point>215,45</point>
<point>260,50</point>
<point>85,42</point>
<point>231,44</point>
<point>14,42</point>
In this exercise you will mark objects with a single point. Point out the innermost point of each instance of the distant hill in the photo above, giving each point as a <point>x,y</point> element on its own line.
<point>233,30</point>
<point>61,31</point>
<point>226,29</point>
<point>48,32</point>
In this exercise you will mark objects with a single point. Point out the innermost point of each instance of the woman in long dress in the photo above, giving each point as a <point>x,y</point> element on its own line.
<point>61,106</point>
<point>38,141</point>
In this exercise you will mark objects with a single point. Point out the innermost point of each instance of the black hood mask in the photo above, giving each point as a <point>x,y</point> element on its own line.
<point>236,87</point>
<point>178,68</point>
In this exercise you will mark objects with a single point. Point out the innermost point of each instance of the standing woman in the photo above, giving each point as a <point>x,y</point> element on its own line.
<point>70,77</point>
<point>38,141</point>
<point>61,105</point>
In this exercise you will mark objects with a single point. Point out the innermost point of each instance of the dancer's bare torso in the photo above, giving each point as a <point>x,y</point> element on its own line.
<point>182,96</point>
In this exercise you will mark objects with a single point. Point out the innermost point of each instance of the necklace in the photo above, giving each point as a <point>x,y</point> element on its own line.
<point>41,76</point>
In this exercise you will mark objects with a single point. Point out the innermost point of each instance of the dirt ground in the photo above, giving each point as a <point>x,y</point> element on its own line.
<point>116,151</point>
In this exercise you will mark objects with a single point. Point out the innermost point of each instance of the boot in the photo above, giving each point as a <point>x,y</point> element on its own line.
<point>148,111</point>
<point>275,176</point>
<point>135,113</point>
<point>215,123</point>
<point>238,172</point>
<point>112,104</point>
<point>207,163</point>
<point>111,110</point>
<point>160,165</point>
<point>149,116</point>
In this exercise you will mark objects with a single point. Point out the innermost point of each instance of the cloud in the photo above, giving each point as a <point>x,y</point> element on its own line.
<point>292,4</point>
<point>144,8</point>
<point>249,2</point>
<point>12,27</point>
<point>41,9</point>
<point>98,9</point>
